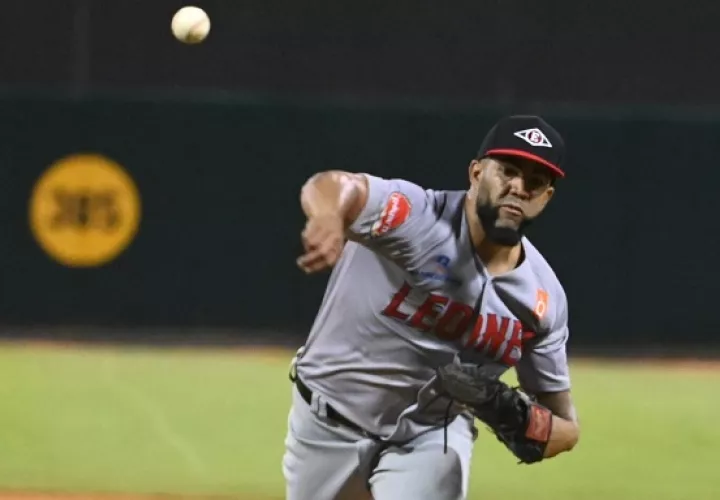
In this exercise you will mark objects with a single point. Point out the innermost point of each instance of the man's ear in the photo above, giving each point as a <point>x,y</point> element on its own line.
<point>474,170</point>
<point>549,193</point>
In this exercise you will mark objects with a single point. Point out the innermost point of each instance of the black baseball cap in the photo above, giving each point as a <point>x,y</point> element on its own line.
<point>526,136</point>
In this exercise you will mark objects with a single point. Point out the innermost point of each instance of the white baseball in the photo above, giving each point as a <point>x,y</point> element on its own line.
<point>190,25</point>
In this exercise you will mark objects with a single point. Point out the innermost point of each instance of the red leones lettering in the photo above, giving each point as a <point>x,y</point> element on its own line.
<point>498,337</point>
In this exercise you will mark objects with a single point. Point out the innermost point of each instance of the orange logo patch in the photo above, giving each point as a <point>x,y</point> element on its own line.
<point>396,211</point>
<point>541,304</point>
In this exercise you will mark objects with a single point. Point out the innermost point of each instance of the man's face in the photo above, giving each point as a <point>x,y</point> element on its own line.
<point>509,194</point>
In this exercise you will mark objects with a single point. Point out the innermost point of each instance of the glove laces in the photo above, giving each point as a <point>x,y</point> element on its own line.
<point>445,426</point>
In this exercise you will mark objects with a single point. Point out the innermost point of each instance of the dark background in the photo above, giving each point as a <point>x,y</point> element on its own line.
<point>219,138</point>
<point>501,52</point>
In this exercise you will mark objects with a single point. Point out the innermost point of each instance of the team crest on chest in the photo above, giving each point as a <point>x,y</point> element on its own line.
<point>438,271</point>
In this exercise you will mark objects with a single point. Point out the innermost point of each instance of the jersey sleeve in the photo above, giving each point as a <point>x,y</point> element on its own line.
<point>397,220</point>
<point>543,366</point>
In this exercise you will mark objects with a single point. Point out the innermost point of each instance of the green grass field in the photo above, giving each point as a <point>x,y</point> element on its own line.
<point>213,422</point>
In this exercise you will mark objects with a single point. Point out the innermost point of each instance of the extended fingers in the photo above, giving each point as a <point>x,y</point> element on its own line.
<point>320,257</point>
<point>322,250</point>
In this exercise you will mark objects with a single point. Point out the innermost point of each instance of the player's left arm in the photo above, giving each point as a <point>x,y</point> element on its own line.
<point>543,372</point>
<point>565,431</point>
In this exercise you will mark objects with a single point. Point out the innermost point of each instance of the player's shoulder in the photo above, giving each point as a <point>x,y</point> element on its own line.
<point>543,272</point>
<point>442,202</point>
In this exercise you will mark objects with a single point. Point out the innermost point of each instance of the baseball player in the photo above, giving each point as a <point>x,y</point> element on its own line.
<point>432,297</point>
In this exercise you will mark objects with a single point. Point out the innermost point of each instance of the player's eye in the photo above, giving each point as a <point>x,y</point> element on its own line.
<point>510,170</point>
<point>536,182</point>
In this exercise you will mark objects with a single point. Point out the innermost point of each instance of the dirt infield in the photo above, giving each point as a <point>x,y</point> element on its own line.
<point>114,496</point>
<point>259,352</point>
<point>278,353</point>
<point>269,353</point>
<point>681,364</point>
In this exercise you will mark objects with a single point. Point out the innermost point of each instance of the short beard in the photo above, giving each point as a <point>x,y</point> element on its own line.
<point>503,236</point>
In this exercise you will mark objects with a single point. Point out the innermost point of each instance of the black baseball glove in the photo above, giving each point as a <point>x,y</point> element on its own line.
<point>518,422</point>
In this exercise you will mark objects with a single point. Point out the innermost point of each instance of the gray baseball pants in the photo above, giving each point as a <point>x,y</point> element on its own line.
<point>324,460</point>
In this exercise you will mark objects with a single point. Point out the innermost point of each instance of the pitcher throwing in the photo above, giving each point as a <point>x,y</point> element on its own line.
<point>432,297</point>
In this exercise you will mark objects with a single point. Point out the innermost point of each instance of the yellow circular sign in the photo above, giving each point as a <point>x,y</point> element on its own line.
<point>84,210</point>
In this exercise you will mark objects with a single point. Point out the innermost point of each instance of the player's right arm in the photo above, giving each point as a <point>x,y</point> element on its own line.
<point>331,200</point>
<point>392,216</point>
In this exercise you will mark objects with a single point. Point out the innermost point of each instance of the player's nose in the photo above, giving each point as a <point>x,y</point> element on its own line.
<point>518,187</point>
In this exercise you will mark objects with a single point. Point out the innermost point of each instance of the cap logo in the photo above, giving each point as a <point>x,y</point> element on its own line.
<point>534,137</point>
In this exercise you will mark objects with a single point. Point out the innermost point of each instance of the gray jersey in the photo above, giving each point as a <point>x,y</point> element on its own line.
<point>409,294</point>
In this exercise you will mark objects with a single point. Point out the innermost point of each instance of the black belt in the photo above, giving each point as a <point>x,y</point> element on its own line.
<point>332,414</point>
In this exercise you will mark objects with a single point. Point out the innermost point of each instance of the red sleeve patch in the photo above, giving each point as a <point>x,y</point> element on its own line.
<point>540,424</point>
<point>396,211</point>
